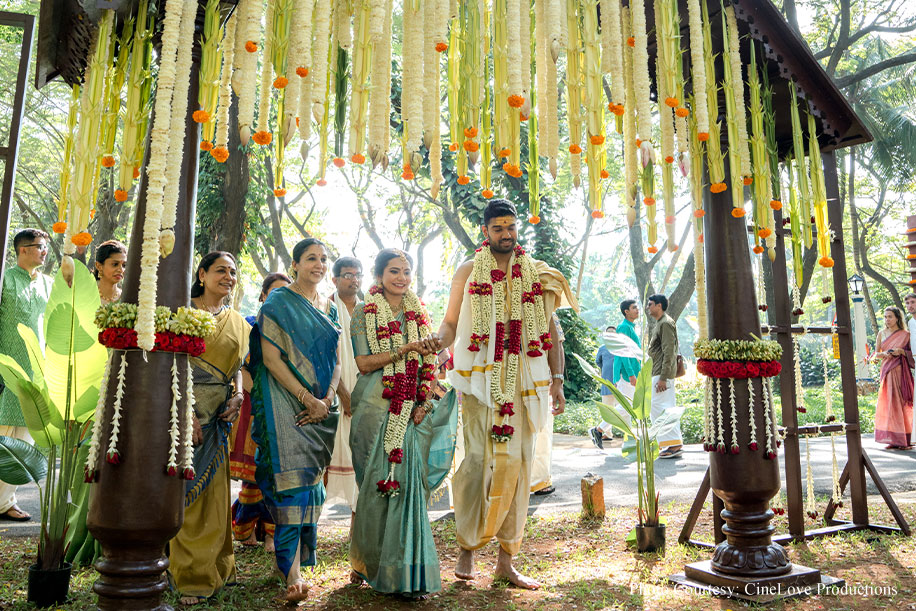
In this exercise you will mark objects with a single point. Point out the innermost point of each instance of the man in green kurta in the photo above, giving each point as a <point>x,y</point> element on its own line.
<point>25,296</point>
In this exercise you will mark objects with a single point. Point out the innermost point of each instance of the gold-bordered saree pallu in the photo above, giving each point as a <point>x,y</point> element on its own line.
<point>291,459</point>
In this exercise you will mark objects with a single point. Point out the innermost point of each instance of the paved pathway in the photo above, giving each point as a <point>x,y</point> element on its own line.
<point>573,457</point>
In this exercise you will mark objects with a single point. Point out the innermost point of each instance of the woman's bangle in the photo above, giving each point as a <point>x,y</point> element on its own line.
<point>301,395</point>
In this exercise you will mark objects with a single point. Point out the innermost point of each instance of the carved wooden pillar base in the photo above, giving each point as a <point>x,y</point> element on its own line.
<point>132,584</point>
<point>748,549</point>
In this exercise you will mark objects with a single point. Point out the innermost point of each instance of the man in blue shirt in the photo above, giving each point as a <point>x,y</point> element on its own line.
<point>605,361</point>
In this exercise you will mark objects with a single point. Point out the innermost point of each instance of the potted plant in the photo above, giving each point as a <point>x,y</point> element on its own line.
<point>641,446</point>
<point>57,399</point>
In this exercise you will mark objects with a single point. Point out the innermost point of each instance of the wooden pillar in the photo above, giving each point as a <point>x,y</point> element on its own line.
<point>135,508</point>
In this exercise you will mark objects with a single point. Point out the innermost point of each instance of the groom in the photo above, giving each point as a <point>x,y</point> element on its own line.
<point>499,320</point>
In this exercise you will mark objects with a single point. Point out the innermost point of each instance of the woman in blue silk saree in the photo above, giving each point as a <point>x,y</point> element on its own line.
<point>295,372</point>
<point>391,544</point>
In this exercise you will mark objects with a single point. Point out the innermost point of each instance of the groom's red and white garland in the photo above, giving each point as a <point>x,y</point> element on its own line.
<point>488,293</point>
<point>406,382</point>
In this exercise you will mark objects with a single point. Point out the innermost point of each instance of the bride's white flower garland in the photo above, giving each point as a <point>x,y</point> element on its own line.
<point>406,382</point>
<point>488,292</point>
<point>172,465</point>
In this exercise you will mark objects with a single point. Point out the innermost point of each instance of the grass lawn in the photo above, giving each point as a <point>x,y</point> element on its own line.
<point>582,565</point>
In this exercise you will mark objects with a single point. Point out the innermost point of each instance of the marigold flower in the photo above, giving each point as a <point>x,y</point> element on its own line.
<point>470,132</point>
<point>826,262</point>
<point>758,250</point>
<point>463,180</point>
<point>669,219</point>
<point>108,161</point>
<point>302,71</point>
<point>206,145</point>
<point>59,227</point>
<point>251,46</point>
<point>617,109</point>
<point>321,182</point>
<point>453,147</point>
<point>441,46</point>
<point>136,172</point>
<point>516,101</point>
<point>505,152</point>
<point>407,174</point>
<point>83,238</point>
<point>703,136</point>
<point>669,159</point>
<point>534,219</point>
<point>597,214</point>
<point>652,250</point>
<point>700,239</point>
<point>575,149</point>
<point>765,233</point>
<point>120,195</point>
<point>748,181</point>
<point>682,112</point>
<point>597,140</point>
<point>486,193</point>
<point>699,213</point>
<point>638,143</point>
<point>220,153</point>
<point>471,146</point>
<point>649,201</point>
<point>717,187</point>
<point>604,174</point>
<point>280,82</point>
<point>631,41</point>
<point>776,204</point>
<point>522,117</point>
<point>671,101</point>
<point>738,212</point>
<point>339,162</point>
<point>200,116</point>
<point>279,192</point>
<point>358,158</point>
<point>263,138</point>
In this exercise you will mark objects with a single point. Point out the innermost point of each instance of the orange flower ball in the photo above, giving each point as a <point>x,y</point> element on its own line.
<point>505,152</point>
<point>738,212</point>
<point>280,82</point>
<point>748,181</point>
<point>83,238</point>
<point>470,132</point>
<point>453,147</point>
<point>617,109</point>
<point>597,214</point>
<point>263,138</point>
<point>59,227</point>
<point>604,174</point>
<point>758,250</point>
<point>108,161</point>
<point>638,143</point>
<point>701,239</point>
<point>575,149</point>
<point>826,262</point>
<point>471,146</point>
<point>279,192</point>
<point>486,193</point>
<point>522,117</point>
<point>463,180</point>
<point>516,101</point>
<point>776,204</point>
<point>765,233</point>
<point>302,71</point>
<point>631,42</point>
<point>321,182</point>
<point>669,219</point>
<point>669,159</point>
<point>516,171</point>
<point>703,136</point>
<point>441,46</point>
<point>653,250</point>
<point>200,116</point>
<point>534,219</point>
<point>251,46</point>
<point>717,187</point>
<point>358,158</point>
<point>597,140</point>
<point>682,112</point>
<point>220,153</point>
<point>649,201</point>
<point>206,145</point>
<point>339,162</point>
<point>407,175</point>
<point>699,213</point>
<point>120,195</point>
<point>671,101</point>
<point>136,172</point>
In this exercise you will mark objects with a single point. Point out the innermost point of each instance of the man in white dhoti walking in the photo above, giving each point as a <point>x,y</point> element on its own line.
<point>663,348</point>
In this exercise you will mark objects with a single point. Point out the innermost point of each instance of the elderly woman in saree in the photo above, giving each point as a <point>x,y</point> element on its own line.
<point>894,411</point>
<point>200,556</point>
<point>296,371</point>
<point>402,439</point>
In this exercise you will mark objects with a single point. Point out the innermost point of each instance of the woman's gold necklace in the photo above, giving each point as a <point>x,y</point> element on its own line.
<point>315,302</point>
<point>200,305</point>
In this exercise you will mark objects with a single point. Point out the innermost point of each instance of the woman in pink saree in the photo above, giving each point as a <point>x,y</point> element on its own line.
<point>894,414</point>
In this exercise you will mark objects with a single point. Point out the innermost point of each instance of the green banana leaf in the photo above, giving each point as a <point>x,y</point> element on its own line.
<point>42,418</point>
<point>642,398</point>
<point>21,462</point>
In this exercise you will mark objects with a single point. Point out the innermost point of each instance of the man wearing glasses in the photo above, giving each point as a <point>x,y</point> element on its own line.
<point>347,276</point>
<point>25,295</point>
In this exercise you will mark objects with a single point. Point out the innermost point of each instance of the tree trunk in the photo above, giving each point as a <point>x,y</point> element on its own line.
<point>229,227</point>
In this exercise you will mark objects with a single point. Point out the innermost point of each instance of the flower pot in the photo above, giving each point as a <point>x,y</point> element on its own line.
<point>650,538</point>
<point>49,587</point>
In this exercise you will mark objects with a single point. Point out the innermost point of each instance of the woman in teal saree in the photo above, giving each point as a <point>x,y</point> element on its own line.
<point>402,440</point>
<point>295,372</point>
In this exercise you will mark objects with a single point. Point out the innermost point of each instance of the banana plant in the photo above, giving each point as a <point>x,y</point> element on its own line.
<point>641,433</point>
<point>57,399</point>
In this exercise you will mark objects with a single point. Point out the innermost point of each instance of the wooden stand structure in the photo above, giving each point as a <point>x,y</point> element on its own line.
<point>911,250</point>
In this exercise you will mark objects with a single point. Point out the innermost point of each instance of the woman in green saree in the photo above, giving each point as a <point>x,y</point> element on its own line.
<point>201,560</point>
<point>402,440</point>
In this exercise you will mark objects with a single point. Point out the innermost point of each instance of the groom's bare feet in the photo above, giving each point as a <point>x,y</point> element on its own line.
<point>464,568</point>
<point>505,570</point>
<point>297,592</point>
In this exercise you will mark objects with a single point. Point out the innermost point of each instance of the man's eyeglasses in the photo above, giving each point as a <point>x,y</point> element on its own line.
<point>351,276</point>
<point>40,247</point>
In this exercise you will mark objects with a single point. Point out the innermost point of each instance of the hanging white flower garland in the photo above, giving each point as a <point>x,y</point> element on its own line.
<point>172,465</point>
<point>92,460</point>
<point>112,455</point>
<point>188,463</point>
